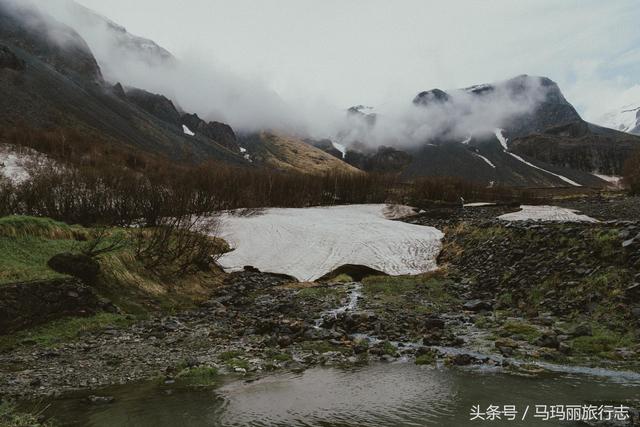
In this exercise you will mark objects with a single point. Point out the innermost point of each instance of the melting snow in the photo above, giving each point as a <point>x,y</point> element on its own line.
<point>612,179</point>
<point>341,148</point>
<point>15,164</point>
<point>243,150</point>
<point>187,131</point>
<point>503,142</point>
<point>311,242</point>
<point>546,213</point>
<point>466,141</point>
<point>485,159</point>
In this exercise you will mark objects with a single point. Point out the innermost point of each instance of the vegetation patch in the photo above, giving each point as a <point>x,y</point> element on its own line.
<point>525,330</point>
<point>10,416</point>
<point>198,376</point>
<point>64,330</point>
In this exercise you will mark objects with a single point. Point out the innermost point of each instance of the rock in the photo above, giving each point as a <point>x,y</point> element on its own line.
<point>434,323</point>
<point>477,305</point>
<point>581,330</point>
<point>462,359</point>
<point>77,265</point>
<point>9,60</point>
<point>100,400</point>
<point>548,341</point>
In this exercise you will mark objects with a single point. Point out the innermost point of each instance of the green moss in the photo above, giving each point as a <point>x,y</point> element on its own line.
<point>237,363</point>
<point>410,291</point>
<point>527,331</point>
<point>64,330</point>
<point>342,278</point>
<point>426,359</point>
<point>281,357</point>
<point>601,343</point>
<point>198,376</point>
<point>389,348</point>
<point>322,347</point>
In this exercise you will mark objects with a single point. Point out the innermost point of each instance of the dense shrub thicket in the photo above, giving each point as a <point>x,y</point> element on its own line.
<point>632,173</point>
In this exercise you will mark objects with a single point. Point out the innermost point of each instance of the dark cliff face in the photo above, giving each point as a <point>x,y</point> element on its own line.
<point>222,133</point>
<point>431,97</point>
<point>50,41</point>
<point>156,105</point>
<point>9,60</point>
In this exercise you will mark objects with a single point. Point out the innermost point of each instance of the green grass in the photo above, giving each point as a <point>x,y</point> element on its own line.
<point>426,359</point>
<point>25,258</point>
<point>528,332</point>
<point>198,376</point>
<point>10,416</point>
<point>320,292</point>
<point>602,343</point>
<point>22,226</point>
<point>64,330</point>
<point>342,278</point>
<point>403,290</point>
<point>237,363</point>
<point>322,347</point>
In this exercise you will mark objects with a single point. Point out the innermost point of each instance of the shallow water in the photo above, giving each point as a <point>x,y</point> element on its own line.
<point>398,394</point>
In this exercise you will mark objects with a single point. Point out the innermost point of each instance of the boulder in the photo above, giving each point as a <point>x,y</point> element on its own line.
<point>477,305</point>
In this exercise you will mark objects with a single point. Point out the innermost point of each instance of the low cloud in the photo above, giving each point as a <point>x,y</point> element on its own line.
<point>199,84</point>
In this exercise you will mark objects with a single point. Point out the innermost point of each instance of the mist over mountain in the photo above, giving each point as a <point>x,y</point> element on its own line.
<point>520,131</point>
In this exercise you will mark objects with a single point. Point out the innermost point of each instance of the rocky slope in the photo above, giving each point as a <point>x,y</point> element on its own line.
<point>542,142</point>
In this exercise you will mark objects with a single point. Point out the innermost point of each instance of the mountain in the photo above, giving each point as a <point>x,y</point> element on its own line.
<point>625,119</point>
<point>538,140</point>
<point>50,79</point>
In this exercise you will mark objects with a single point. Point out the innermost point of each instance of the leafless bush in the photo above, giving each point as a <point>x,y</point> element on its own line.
<point>632,173</point>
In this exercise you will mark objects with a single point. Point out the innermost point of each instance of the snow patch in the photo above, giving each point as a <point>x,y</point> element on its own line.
<point>466,141</point>
<point>341,148</point>
<point>546,214</point>
<point>478,204</point>
<point>625,120</point>
<point>503,142</point>
<point>15,162</point>
<point>612,179</point>
<point>485,159</point>
<point>187,131</point>
<point>243,150</point>
<point>501,138</point>
<point>311,242</point>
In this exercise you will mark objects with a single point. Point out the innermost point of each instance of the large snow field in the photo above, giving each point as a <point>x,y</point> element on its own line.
<point>308,243</point>
<point>546,213</point>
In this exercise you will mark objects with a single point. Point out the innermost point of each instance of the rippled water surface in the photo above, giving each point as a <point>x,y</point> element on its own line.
<point>399,394</point>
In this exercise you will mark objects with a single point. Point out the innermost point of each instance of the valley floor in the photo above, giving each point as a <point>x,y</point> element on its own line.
<point>524,297</point>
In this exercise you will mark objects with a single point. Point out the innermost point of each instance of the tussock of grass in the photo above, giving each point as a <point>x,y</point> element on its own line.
<point>525,330</point>
<point>198,376</point>
<point>22,226</point>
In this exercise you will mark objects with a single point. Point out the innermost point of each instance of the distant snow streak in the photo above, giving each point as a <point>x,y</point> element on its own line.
<point>503,142</point>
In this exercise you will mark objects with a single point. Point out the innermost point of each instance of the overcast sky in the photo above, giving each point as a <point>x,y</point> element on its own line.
<point>378,51</point>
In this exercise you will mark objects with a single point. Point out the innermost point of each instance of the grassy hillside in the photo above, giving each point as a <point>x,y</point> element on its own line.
<point>289,153</point>
<point>27,243</point>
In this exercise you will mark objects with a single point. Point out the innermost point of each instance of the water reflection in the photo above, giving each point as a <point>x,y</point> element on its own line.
<point>400,394</point>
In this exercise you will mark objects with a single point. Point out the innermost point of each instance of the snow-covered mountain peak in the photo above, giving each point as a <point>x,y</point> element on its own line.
<point>625,119</point>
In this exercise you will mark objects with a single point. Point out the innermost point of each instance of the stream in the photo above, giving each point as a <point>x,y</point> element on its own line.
<point>400,393</point>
